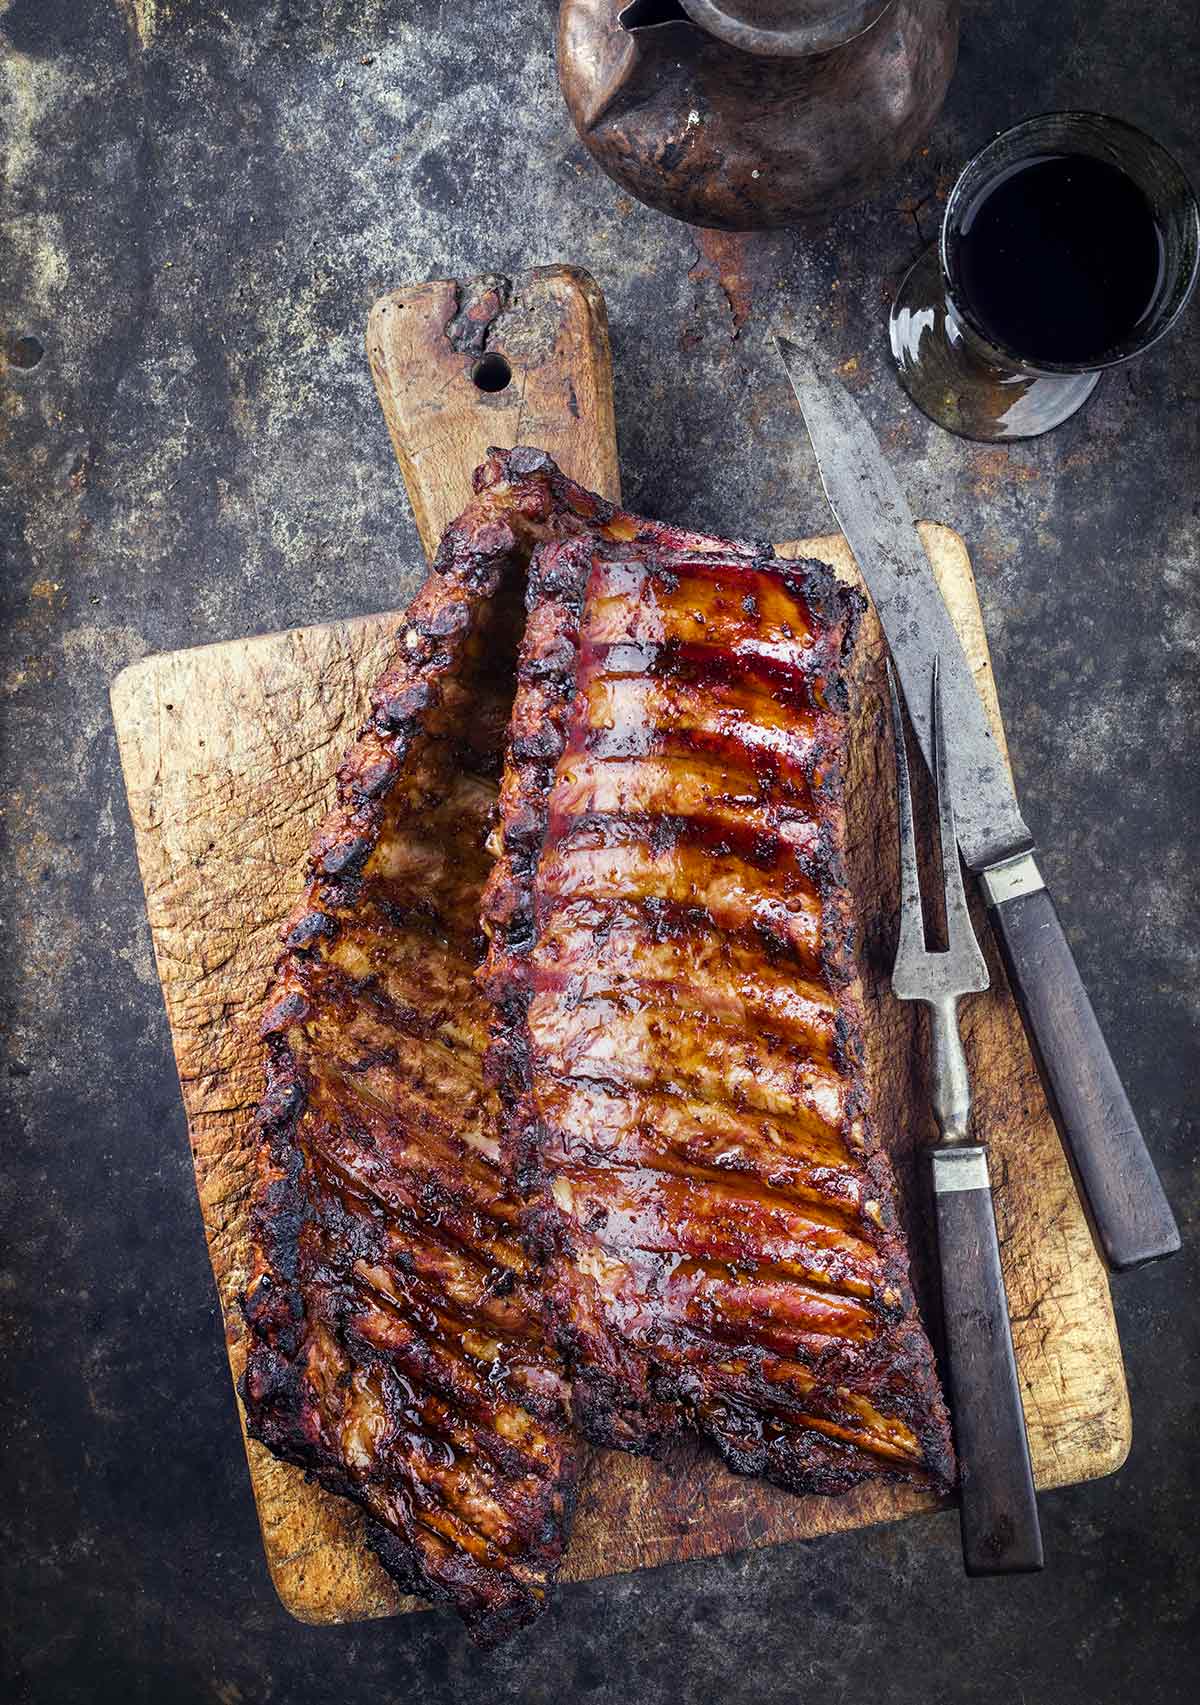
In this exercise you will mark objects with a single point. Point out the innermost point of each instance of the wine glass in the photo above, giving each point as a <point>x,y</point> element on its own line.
<point>976,351</point>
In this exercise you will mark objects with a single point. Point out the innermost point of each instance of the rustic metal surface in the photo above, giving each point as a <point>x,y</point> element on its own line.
<point>202,200</point>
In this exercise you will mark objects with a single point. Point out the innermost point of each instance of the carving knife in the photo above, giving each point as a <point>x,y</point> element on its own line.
<point>1130,1212</point>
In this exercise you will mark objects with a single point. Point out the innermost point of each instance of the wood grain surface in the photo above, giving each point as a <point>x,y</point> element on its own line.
<point>229,753</point>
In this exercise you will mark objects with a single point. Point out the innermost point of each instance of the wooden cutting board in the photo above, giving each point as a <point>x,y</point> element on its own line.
<point>229,753</point>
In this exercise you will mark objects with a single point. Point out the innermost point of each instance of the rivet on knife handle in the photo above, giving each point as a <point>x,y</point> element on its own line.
<point>1129,1209</point>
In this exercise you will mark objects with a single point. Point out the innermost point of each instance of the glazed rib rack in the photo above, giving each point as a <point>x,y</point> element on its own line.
<point>398,1349</point>
<point>678,1024</point>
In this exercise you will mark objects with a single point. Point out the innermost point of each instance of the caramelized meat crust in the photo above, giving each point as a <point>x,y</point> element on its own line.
<point>397,1344</point>
<point>677,1030</point>
<point>678,1185</point>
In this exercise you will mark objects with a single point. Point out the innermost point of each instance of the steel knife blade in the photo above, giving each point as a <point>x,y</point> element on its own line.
<point>1130,1212</point>
<point>873,513</point>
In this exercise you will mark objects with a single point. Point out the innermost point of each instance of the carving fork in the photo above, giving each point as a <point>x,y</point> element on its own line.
<point>998,1506</point>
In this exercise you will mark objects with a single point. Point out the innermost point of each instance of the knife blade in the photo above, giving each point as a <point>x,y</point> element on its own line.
<point>1129,1209</point>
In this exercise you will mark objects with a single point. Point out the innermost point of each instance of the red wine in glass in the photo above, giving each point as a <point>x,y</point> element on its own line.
<point>1061,258</point>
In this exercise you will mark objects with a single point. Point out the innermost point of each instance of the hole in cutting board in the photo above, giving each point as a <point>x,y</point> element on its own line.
<point>492,373</point>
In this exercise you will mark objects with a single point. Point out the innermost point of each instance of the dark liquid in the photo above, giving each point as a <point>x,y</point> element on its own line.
<point>1060,258</point>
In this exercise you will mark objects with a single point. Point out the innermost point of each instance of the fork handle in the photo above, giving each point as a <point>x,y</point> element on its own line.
<point>1129,1208</point>
<point>998,1507</point>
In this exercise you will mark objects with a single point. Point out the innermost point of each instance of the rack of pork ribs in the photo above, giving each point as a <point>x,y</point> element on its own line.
<point>576,1141</point>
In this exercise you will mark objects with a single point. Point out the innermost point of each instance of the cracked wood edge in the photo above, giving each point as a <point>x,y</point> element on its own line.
<point>229,752</point>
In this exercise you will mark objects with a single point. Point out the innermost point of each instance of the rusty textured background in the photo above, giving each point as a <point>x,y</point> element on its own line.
<point>200,202</point>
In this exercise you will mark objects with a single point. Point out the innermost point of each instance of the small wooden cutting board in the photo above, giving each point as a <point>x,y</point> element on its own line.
<point>229,753</point>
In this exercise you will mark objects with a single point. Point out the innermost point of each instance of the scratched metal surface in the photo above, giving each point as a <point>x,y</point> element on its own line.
<point>201,202</point>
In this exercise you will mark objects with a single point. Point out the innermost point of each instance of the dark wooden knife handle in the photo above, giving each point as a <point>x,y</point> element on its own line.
<point>1130,1212</point>
<point>1000,1530</point>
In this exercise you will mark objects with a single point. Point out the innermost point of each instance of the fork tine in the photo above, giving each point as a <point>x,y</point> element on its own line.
<point>961,943</point>
<point>911,945</point>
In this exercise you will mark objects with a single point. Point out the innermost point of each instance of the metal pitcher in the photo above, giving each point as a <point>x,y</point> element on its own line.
<point>744,114</point>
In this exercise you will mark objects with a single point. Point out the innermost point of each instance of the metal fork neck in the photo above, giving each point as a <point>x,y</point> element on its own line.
<point>951,1081</point>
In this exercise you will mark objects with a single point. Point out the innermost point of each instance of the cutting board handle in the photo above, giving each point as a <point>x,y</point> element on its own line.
<point>460,367</point>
